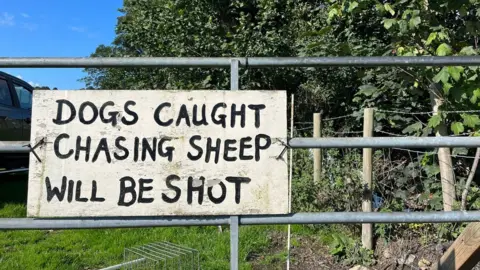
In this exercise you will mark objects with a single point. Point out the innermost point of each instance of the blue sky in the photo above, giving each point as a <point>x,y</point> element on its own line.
<point>55,28</point>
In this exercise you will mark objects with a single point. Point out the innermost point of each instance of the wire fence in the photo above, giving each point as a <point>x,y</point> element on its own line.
<point>338,161</point>
<point>408,177</point>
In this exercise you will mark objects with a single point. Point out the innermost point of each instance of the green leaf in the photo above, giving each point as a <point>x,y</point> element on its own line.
<point>442,76</point>
<point>379,7</point>
<point>389,9</point>
<point>413,128</point>
<point>469,50</point>
<point>352,6</point>
<point>476,92</point>
<point>473,78</point>
<point>314,45</point>
<point>431,170</point>
<point>431,38</point>
<point>387,23</point>
<point>457,128</point>
<point>434,121</point>
<point>367,89</point>
<point>471,120</point>
<point>446,88</point>
<point>455,72</point>
<point>332,13</point>
<point>444,50</point>
<point>442,36</point>
<point>414,22</point>
<point>318,33</point>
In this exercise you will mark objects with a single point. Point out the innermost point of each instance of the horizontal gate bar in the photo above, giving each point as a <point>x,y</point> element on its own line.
<point>98,62</point>
<point>298,218</point>
<point>385,142</point>
<point>358,142</point>
<point>108,222</point>
<point>364,217</point>
<point>14,147</point>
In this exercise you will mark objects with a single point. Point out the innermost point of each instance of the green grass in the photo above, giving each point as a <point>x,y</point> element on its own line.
<point>93,249</point>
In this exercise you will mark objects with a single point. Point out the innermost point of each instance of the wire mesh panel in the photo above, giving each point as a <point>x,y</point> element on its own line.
<point>161,255</point>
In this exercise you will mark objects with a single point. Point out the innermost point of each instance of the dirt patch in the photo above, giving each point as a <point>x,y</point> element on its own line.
<point>309,253</point>
<point>305,253</point>
<point>409,254</point>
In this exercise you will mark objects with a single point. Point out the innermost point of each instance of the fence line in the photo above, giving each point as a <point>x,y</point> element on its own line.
<point>255,62</point>
<point>235,221</point>
<point>433,153</point>
<point>297,218</point>
<point>429,112</point>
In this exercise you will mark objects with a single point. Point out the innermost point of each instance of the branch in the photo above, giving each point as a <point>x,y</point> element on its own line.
<point>469,179</point>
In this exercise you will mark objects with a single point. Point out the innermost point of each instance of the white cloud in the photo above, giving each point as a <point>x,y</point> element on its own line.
<point>30,26</point>
<point>6,19</point>
<point>34,84</point>
<point>25,15</point>
<point>78,29</point>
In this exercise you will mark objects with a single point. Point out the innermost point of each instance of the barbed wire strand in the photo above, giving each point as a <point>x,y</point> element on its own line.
<point>346,132</point>
<point>390,111</point>
<point>432,152</point>
<point>402,135</point>
<point>340,117</point>
<point>304,128</point>
<point>429,112</point>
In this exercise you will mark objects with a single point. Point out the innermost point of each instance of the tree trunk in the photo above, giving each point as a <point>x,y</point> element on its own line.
<point>444,158</point>
<point>471,175</point>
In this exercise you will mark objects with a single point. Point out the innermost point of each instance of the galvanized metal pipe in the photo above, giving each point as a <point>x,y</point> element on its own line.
<point>363,61</point>
<point>234,228</point>
<point>385,142</point>
<point>14,147</point>
<point>234,76</point>
<point>358,142</point>
<point>106,222</point>
<point>363,217</point>
<point>298,218</point>
<point>14,171</point>
<point>256,62</point>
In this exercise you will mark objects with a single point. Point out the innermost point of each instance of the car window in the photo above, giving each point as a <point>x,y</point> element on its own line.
<point>24,96</point>
<point>5,97</point>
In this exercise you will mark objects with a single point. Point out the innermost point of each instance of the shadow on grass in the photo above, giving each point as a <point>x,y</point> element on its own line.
<point>13,189</point>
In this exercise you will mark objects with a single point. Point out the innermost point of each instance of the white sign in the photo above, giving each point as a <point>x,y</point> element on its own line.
<point>156,153</point>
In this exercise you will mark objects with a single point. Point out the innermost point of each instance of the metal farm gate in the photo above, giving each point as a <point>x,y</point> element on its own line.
<point>235,221</point>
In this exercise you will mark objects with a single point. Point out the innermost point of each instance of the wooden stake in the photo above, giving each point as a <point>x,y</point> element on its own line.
<point>464,253</point>
<point>367,234</point>
<point>317,153</point>
<point>447,175</point>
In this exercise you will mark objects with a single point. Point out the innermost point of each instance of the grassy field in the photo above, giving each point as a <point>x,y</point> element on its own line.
<point>94,249</point>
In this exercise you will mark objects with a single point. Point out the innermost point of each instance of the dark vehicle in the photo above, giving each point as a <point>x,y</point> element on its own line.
<point>15,117</point>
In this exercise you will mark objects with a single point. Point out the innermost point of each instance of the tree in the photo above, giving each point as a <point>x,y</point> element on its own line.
<point>218,29</point>
<point>315,28</point>
<point>420,27</point>
<point>41,88</point>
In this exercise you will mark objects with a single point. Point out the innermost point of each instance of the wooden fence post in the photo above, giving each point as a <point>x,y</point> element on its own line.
<point>367,229</point>
<point>317,153</point>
